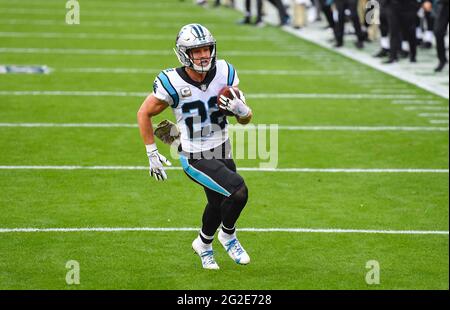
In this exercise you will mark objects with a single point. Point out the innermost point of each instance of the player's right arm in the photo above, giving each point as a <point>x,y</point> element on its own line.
<point>150,107</point>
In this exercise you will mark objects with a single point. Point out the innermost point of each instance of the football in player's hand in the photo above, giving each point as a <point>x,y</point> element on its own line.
<point>226,91</point>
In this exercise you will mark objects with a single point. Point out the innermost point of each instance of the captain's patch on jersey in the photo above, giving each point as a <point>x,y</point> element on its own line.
<point>24,69</point>
<point>186,92</point>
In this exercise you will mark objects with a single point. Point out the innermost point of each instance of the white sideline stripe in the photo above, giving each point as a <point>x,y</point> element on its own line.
<point>280,127</point>
<point>249,72</point>
<point>252,96</point>
<point>324,170</point>
<point>81,51</point>
<point>109,36</point>
<point>189,229</point>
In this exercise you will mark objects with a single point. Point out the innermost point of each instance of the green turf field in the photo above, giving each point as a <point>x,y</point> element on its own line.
<point>326,92</point>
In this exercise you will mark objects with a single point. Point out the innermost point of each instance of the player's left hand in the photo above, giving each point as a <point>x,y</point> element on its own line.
<point>235,105</point>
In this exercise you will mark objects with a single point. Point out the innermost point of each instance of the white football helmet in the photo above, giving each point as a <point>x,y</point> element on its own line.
<point>193,36</point>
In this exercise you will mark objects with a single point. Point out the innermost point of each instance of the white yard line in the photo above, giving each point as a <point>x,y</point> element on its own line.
<point>241,72</point>
<point>426,108</point>
<point>433,115</point>
<point>251,96</point>
<point>137,52</point>
<point>102,5</point>
<point>195,229</point>
<point>386,90</point>
<point>115,36</point>
<point>71,125</point>
<point>296,170</point>
<point>439,121</point>
<point>280,127</point>
<point>80,51</point>
<point>108,13</point>
<point>334,96</point>
<point>73,93</point>
<point>417,102</point>
<point>100,24</point>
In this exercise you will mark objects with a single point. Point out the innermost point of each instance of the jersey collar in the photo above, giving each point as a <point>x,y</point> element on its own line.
<point>201,85</point>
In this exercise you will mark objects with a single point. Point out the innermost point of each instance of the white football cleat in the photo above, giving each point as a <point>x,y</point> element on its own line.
<point>207,256</point>
<point>234,248</point>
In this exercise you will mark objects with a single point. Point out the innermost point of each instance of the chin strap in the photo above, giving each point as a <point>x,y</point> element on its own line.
<point>201,69</point>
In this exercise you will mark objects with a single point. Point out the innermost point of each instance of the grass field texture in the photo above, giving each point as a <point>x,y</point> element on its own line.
<point>118,49</point>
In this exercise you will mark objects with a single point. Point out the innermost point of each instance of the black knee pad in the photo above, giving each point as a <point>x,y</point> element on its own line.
<point>240,196</point>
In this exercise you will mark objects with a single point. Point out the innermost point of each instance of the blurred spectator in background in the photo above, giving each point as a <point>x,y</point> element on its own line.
<point>351,5</point>
<point>402,23</point>
<point>325,7</point>
<point>440,30</point>
<point>284,17</point>
<point>384,29</point>
<point>425,21</point>
<point>201,2</point>
<point>300,13</point>
<point>248,13</point>
<point>364,8</point>
<point>217,3</point>
<point>229,3</point>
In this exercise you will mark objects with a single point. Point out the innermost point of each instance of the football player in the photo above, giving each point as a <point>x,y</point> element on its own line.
<point>205,150</point>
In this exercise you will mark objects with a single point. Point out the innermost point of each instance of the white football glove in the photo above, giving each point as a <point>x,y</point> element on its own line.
<point>236,106</point>
<point>156,162</point>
